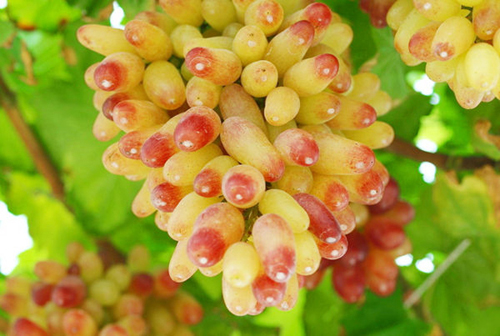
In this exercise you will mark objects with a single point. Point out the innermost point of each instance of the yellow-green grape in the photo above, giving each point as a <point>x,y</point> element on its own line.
<point>183,12</point>
<point>89,76</point>
<point>212,270</point>
<point>103,39</point>
<point>200,92</point>
<point>398,13</point>
<point>338,36</point>
<point>185,73</point>
<point>164,85</point>
<point>160,20</point>
<point>377,135</point>
<point>159,318</point>
<point>408,27</point>
<point>180,267</point>
<point>318,108</point>
<point>139,259</point>
<point>281,203</point>
<point>291,6</point>
<point>141,205</point>
<point>465,95</point>
<point>238,300</point>
<point>73,251</point>
<point>308,257</point>
<point>91,267</point>
<point>133,115</point>
<point>266,14</point>
<point>250,44</point>
<point>295,179</point>
<point>437,10</point>
<point>182,167</point>
<point>482,66</point>
<point>312,75</point>
<point>120,71</point>
<point>364,86</point>
<point>217,42</point>
<point>290,46</point>
<point>106,292</point>
<point>236,102</point>
<point>453,37</point>
<point>120,275</point>
<point>92,307</point>
<point>241,6</point>
<point>259,78</point>
<point>240,264</point>
<point>232,29</point>
<point>381,102</point>
<point>441,71</point>
<point>180,224</point>
<point>181,35</point>
<point>218,13</point>
<point>116,163</point>
<point>150,42</point>
<point>281,106</point>
<point>104,129</point>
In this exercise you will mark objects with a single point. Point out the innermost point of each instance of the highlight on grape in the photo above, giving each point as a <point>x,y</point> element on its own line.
<point>252,138</point>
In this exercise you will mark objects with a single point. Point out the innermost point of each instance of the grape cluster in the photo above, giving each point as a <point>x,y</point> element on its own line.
<point>94,295</point>
<point>459,40</point>
<point>250,132</point>
<point>379,238</point>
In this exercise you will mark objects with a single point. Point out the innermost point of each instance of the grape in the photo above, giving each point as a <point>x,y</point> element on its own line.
<point>318,14</point>
<point>163,85</point>
<point>208,182</point>
<point>249,44</point>
<point>308,256</point>
<point>41,293</point>
<point>165,287</point>
<point>198,127</point>
<point>349,282</point>
<point>103,40</point>
<point>391,195</point>
<point>200,92</point>
<point>69,292</point>
<point>77,322</point>
<point>181,35</point>
<point>238,300</point>
<point>259,78</point>
<point>183,12</point>
<point>268,292</point>
<point>333,251</point>
<point>330,191</point>
<point>338,36</point>
<point>113,330</point>
<point>50,271</point>
<point>281,203</point>
<point>281,107</point>
<point>318,109</point>
<point>109,103</point>
<point>149,41</point>
<point>218,13</point>
<point>241,265</point>
<point>215,42</point>
<point>219,66</point>
<point>23,326</point>
<point>160,20</point>
<point>133,115</point>
<point>186,309</point>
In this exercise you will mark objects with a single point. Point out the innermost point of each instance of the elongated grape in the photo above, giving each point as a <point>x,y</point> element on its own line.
<point>249,44</point>
<point>352,115</point>
<point>91,266</point>
<point>401,213</point>
<point>180,267</point>
<point>164,85</point>
<point>237,133</point>
<point>236,102</point>
<point>182,167</point>
<point>131,143</point>
<point>50,271</point>
<point>282,105</point>
<point>297,147</point>
<point>290,46</point>
<point>160,146</point>
<point>265,14</point>
<point>150,42</point>
<point>24,326</point>
<point>407,28</point>
<point>311,76</point>
<point>241,265</point>
<point>238,300</point>
<point>365,188</point>
<point>116,163</point>
<point>219,66</point>
<point>291,294</point>
<point>181,35</point>
<point>183,217</point>
<point>120,71</point>
<point>186,309</point>
<point>381,264</point>
<point>482,66</point>
<point>346,218</point>
<point>330,191</point>
<point>160,20</point>
<point>69,292</point>
<point>243,186</point>
<point>398,12</point>
<point>318,14</point>
<point>183,12</point>
<point>308,257</point>
<point>349,282</point>
<point>357,251</point>
<point>166,196</point>
<point>485,18</point>
<point>333,251</point>
<point>318,108</point>
<point>107,106</point>
<point>322,223</point>
<point>296,179</point>
<point>268,292</point>
<point>283,204</point>
<point>200,92</point>
<point>384,233</point>
<point>104,40</point>
<point>420,44</point>
<point>342,82</point>
<point>216,228</point>
<point>351,157</point>
<point>120,275</point>
<point>338,36</point>
<point>218,13</point>
<point>198,127</point>
<point>377,135</point>
<point>132,115</point>
<point>453,37</point>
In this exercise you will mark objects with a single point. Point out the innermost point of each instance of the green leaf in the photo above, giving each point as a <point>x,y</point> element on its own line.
<point>7,29</point>
<point>132,7</point>
<point>13,154</point>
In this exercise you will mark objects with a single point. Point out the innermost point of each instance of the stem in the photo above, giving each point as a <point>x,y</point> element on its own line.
<point>452,257</point>
<point>442,161</point>
<point>42,162</point>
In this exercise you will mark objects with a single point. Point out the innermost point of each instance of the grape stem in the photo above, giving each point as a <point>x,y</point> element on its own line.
<point>442,161</point>
<point>43,163</point>
<point>452,257</point>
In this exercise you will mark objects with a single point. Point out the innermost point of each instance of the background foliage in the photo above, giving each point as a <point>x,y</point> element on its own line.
<point>42,66</point>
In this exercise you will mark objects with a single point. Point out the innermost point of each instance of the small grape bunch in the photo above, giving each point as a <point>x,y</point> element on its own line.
<point>250,133</point>
<point>377,241</point>
<point>459,40</point>
<point>96,296</point>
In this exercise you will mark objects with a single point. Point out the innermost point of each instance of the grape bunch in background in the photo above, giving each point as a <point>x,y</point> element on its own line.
<point>98,295</point>
<point>459,40</point>
<point>250,133</point>
<point>378,240</point>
